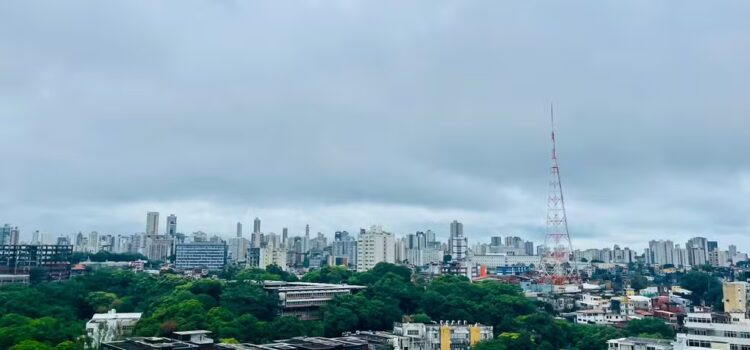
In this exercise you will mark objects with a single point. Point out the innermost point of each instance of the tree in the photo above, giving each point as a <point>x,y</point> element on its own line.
<point>421,318</point>
<point>30,345</point>
<point>638,282</point>
<point>650,328</point>
<point>101,301</point>
<point>704,287</point>
<point>68,345</point>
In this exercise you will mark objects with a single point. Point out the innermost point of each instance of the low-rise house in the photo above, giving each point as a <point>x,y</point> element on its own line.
<point>110,326</point>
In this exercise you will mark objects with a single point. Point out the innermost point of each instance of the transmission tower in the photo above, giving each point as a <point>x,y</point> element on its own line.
<point>556,261</point>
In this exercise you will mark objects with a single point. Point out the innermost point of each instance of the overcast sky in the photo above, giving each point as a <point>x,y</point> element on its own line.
<point>345,114</point>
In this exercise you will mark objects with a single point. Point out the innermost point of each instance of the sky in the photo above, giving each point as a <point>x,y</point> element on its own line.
<point>347,114</point>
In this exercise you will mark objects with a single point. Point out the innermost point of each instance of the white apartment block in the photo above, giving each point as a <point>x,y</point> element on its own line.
<point>726,331</point>
<point>373,247</point>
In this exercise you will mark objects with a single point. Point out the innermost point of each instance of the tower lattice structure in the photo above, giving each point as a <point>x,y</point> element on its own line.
<point>556,261</point>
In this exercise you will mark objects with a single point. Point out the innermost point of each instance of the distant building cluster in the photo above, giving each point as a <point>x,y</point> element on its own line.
<point>200,253</point>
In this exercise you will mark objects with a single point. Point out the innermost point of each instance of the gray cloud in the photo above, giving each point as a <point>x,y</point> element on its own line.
<point>347,114</point>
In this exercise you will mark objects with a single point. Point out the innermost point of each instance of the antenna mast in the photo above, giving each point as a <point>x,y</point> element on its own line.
<point>557,258</point>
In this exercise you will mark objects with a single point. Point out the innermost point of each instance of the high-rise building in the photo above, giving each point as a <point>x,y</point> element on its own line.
<point>284,236</point>
<point>237,250</point>
<point>375,246</point>
<point>513,241</point>
<point>697,249</point>
<point>93,242</point>
<point>171,225</point>
<point>63,240</point>
<point>266,256</point>
<point>306,239</point>
<point>256,225</point>
<point>528,247</point>
<point>660,252</point>
<point>458,245</point>
<point>35,237</point>
<point>152,223</point>
<point>344,249</point>
<point>239,229</point>
<point>15,236</point>
<point>5,234</point>
<point>430,236</point>
<point>711,246</point>
<point>158,247</point>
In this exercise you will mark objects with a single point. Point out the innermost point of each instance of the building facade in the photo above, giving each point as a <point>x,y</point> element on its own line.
<point>212,256</point>
<point>375,246</point>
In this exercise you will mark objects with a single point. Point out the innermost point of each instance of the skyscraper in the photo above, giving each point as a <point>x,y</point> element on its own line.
<point>712,245</point>
<point>256,225</point>
<point>93,242</point>
<point>152,223</point>
<point>15,236</point>
<point>5,234</point>
<point>496,241</point>
<point>697,250</point>
<point>306,239</point>
<point>457,229</point>
<point>239,229</point>
<point>284,236</point>
<point>457,244</point>
<point>171,225</point>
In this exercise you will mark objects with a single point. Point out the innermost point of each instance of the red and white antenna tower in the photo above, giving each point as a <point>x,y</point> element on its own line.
<point>556,261</point>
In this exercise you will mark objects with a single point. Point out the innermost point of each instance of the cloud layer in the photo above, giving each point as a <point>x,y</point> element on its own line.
<point>410,115</point>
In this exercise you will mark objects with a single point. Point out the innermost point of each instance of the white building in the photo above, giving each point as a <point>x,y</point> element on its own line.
<point>263,257</point>
<point>374,246</point>
<point>727,331</point>
<point>110,326</point>
<point>639,344</point>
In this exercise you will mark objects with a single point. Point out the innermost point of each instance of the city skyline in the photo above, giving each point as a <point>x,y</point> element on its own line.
<point>395,114</point>
<point>455,229</point>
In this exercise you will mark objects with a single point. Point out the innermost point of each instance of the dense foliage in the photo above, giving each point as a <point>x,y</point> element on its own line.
<point>52,315</point>
<point>706,289</point>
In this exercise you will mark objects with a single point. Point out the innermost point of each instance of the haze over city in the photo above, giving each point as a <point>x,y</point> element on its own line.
<point>342,115</point>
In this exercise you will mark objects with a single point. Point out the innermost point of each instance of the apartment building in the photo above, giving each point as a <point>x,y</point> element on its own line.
<point>212,256</point>
<point>729,330</point>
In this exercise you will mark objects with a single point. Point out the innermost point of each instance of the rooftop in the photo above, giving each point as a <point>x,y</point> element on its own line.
<point>283,286</point>
<point>637,340</point>
<point>149,343</point>
<point>114,315</point>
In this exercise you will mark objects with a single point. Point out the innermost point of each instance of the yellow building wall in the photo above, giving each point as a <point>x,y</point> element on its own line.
<point>734,297</point>
<point>474,335</point>
<point>445,338</point>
